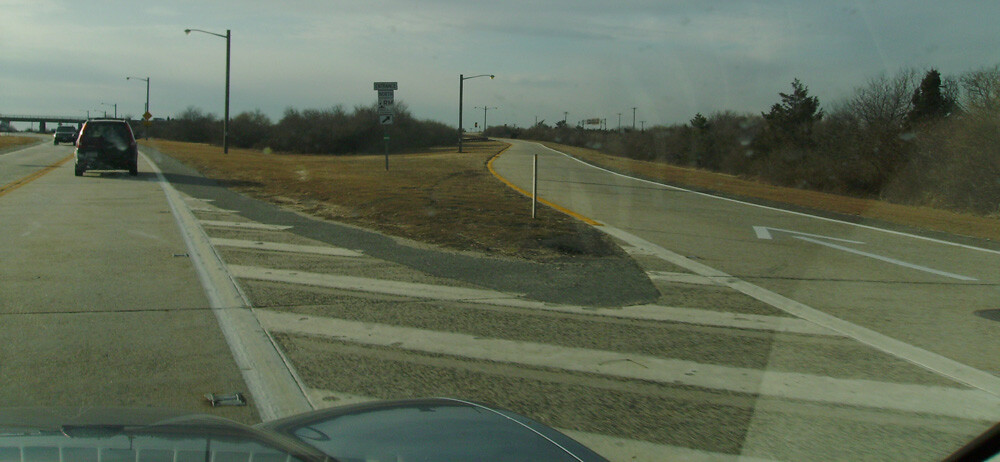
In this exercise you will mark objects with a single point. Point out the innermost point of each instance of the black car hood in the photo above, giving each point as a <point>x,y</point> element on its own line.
<point>421,429</point>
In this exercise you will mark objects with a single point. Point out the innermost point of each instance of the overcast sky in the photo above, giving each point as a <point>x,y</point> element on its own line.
<point>591,58</point>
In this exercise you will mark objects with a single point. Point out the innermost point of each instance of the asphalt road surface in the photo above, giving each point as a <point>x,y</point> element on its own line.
<point>762,340</point>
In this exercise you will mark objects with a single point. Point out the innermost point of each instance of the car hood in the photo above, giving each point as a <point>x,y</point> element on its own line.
<point>422,429</point>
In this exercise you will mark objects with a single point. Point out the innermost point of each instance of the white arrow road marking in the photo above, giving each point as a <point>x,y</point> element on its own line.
<point>764,232</point>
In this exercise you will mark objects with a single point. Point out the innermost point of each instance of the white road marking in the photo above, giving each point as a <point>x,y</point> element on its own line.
<point>765,233</point>
<point>272,383</point>
<point>887,259</point>
<point>408,289</point>
<point>209,209</point>
<point>493,298</point>
<point>953,402</point>
<point>791,212</point>
<point>244,225</point>
<point>945,366</point>
<point>686,278</point>
<point>282,247</point>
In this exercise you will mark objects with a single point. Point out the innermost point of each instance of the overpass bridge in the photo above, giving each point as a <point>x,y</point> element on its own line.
<point>6,119</point>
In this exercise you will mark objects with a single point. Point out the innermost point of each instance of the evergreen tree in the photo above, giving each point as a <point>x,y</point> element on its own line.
<point>929,102</point>
<point>792,119</point>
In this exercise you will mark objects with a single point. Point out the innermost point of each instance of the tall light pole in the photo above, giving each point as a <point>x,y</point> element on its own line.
<point>147,90</point>
<point>485,108</point>
<point>225,121</point>
<point>145,128</point>
<point>461,84</point>
<point>111,104</point>
<point>619,121</point>
<point>633,118</point>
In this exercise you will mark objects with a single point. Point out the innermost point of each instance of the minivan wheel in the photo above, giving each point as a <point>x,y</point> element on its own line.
<point>78,171</point>
<point>133,169</point>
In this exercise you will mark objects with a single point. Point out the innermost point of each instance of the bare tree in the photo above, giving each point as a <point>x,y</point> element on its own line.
<point>884,101</point>
<point>982,88</point>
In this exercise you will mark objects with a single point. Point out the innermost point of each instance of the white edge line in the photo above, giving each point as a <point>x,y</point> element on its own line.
<point>767,207</point>
<point>274,397</point>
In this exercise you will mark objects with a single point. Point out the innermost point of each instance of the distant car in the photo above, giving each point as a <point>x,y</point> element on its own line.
<point>64,134</point>
<point>106,144</point>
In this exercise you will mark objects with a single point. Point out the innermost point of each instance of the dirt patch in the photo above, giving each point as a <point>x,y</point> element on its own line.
<point>919,217</point>
<point>438,197</point>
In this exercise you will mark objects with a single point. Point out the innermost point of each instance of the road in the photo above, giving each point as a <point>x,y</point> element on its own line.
<point>100,305</point>
<point>730,358</point>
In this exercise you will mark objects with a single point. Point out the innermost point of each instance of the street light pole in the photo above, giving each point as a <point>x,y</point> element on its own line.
<point>115,105</point>
<point>146,111</point>
<point>461,88</point>
<point>225,121</point>
<point>633,118</point>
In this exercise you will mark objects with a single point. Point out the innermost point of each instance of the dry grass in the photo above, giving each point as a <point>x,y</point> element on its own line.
<point>14,140</point>
<point>920,217</point>
<point>438,197</point>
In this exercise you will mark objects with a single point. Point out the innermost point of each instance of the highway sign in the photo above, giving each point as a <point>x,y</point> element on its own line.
<point>386,86</point>
<point>385,94</point>
<point>147,116</point>
<point>385,119</point>
<point>385,110</point>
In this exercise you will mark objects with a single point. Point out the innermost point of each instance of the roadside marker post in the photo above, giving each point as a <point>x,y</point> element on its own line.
<point>534,185</point>
<point>385,111</point>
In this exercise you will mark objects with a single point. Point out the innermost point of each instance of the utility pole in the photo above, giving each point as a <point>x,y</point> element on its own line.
<point>643,122</point>
<point>619,121</point>
<point>565,115</point>
<point>633,118</point>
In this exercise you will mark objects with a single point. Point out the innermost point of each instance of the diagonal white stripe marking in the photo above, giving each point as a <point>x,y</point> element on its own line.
<point>244,225</point>
<point>953,402</point>
<point>488,297</point>
<point>283,247</point>
<point>887,259</point>
<point>686,278</point>
<point>927,359</point>
<point>408,289</point>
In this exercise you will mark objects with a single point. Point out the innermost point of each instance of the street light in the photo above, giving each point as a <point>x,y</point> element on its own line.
<point>461,83</point>
<point>145,129</point>
<point>111,104</point>
<point>147,91</point>
<point>485,108</point>
<point>225,122</point>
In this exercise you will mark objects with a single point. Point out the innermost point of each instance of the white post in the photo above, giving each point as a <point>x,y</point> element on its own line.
<point>534,185</point>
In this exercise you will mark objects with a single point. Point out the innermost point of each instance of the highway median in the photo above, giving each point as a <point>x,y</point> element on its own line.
<point>435,196</point>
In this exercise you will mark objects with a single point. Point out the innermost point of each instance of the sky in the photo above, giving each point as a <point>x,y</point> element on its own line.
<point>669,59</point>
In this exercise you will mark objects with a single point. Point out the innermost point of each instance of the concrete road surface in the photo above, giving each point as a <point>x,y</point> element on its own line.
<point>99,303</point>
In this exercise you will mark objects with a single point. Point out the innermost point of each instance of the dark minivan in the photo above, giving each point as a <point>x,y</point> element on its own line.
<point>106,144</point>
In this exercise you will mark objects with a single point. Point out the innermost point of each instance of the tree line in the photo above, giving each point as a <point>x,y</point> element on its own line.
<point>333,131</point>
<point>913,137</point>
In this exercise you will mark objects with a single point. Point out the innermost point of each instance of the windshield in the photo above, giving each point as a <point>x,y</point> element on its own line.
<point>716,230</point>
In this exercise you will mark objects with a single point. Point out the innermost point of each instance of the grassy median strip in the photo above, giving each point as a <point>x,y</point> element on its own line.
<point>12,141</point>
<point>438,197</point>
<point>920,217</point>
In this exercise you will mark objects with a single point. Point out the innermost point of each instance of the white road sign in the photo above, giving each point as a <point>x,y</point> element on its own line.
<point>385,119</point>
<point>386,86</point>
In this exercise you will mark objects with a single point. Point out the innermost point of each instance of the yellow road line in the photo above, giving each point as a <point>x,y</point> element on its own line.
<point>34,176</point>
<point>489,165</point>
